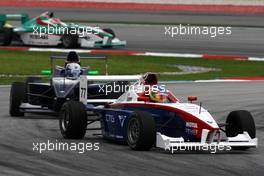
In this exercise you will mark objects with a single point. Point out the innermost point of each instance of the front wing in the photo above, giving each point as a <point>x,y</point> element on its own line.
<point>176,144</point>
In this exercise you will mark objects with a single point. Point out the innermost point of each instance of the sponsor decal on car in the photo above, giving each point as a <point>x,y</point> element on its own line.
<point>43,37</point>
<point>191,125</point>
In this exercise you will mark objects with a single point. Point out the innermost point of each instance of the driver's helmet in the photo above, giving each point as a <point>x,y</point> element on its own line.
<point>72,57</point>
<point>73,70</point>
<point>158,97</point>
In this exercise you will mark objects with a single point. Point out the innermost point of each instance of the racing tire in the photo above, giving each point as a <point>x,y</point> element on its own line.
<point>141,131</point>
<point>17,96</point>
<point>73,120</point>
<point>70,41</point>
<point>6,36</point>
<point>238,122</point>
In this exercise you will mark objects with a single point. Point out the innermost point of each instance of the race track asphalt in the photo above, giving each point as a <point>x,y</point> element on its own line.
<point>246,38</point>
<point>18,134</point>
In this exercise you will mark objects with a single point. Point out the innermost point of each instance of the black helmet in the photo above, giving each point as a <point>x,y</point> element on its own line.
<point>73,57</point>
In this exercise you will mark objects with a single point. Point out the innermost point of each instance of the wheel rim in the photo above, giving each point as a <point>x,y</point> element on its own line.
<point>65,120</point>
<point>133,131</point>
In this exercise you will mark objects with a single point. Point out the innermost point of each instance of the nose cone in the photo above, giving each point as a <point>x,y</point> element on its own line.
<point>200,113</point>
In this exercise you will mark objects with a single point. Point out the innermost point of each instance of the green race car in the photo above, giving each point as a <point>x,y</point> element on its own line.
<point>45,30</point>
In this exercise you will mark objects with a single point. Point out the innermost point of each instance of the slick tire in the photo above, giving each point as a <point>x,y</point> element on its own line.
<point>6,36</point>
<point>237,123</point>
<point>141,131</point>
<point>17,96</point>
<point>73,120</point>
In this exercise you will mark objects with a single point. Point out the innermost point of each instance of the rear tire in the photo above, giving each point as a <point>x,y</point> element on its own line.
<point>6,36</point>
<point>70,41</point>
<point>17,96</point>
<point>141,131</point>
<point>73,120</point>
<point>237,123</point>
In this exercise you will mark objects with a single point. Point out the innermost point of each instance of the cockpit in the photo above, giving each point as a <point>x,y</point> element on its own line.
<point>47,18</point>
<point>148,90</point>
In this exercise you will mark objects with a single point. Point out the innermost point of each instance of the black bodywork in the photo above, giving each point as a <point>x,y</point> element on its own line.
<point>53,95</point>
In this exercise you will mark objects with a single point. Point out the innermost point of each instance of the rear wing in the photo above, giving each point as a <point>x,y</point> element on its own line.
<point>82,57</point>
<point>112,78</point>
<point>22,17</point>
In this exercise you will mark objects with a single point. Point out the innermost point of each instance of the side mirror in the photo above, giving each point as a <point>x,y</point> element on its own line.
<point>143,98</point>
<point>192,98</point>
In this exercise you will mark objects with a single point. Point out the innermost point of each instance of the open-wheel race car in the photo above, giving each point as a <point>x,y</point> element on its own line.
<point>148,115</point>
<point>37,95</point>
<point>46,30</point>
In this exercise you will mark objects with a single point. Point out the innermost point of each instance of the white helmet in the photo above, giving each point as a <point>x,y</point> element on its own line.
<point>73,70</point>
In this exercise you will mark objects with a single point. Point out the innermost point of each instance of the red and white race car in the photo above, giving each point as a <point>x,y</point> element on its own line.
<point>149,115</point>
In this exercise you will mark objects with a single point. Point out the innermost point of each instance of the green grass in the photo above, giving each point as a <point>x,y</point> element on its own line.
<point>31,63</point>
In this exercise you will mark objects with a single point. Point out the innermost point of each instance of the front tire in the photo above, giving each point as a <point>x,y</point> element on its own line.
<point>141,131</point>
<point>6,36</point>
<point>237,123</point>
<point>73,120</point>
<point>17,96</point>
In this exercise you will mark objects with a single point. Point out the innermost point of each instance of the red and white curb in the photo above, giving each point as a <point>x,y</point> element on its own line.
<point>137,53</point>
